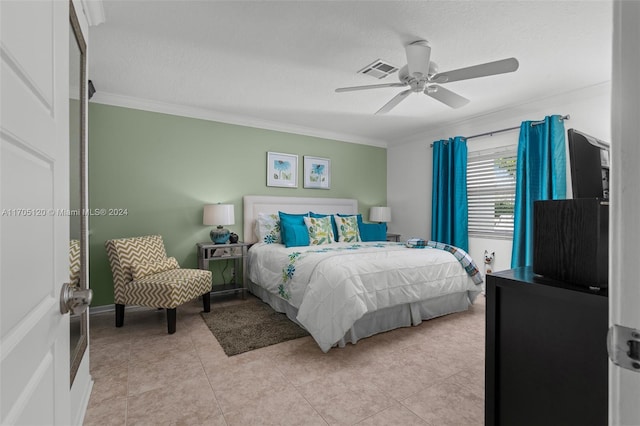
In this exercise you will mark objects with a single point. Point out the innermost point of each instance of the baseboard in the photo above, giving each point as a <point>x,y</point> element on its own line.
<point>101,309</point>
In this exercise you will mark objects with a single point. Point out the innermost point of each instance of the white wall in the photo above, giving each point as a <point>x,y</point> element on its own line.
<point>409,165</point>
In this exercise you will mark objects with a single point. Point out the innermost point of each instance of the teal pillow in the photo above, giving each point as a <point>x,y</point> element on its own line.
<point>297,234</point>
<point>333,222</point>
<point>290,218</point>
<point>373,231</point>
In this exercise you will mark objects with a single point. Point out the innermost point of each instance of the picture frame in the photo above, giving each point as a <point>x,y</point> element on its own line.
<point>317,172</point>
<point>282,170</point>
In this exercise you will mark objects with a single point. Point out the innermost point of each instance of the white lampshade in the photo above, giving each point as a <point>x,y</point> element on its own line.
<point>380,214</point>
<point>218,214</point>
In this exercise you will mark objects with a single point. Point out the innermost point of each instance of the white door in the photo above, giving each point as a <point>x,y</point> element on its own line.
<point>34,183</point>
<point>624,282</point>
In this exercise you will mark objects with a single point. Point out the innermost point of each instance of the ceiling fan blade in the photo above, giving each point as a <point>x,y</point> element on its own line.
<point>393,102</point>
<point>418,55</point>
<point>372,86</point>
<point>446,96</point>
<point>482,70</point>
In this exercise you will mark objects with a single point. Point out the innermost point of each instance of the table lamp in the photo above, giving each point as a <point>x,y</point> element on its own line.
<point>380,214</point>
<point>219,215</point>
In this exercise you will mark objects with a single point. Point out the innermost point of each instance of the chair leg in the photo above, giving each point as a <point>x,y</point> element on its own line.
<point>171,320</point>
<point>119,315</point>
<point>206,302</point>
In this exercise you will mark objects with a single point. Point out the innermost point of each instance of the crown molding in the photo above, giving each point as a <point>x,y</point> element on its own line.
<point>112,99</point>
<point>514,112</point>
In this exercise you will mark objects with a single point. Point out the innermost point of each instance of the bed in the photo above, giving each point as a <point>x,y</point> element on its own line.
<point>343,292</point>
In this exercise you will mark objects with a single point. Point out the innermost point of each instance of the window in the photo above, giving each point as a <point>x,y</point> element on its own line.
<point>491,191</point>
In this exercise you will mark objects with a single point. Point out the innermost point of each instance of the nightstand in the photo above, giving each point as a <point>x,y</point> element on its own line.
<point>393,237</point>
<point>210,252</point>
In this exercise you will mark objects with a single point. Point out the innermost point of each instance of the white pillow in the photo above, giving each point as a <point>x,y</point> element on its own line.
<point>267,228</point>
<point>348,231</point>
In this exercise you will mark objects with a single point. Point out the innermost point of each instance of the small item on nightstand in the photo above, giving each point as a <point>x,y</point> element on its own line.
<point>233,238</point>
<point>221,252</point>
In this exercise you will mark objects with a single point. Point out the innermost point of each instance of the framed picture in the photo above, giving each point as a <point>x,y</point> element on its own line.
<point>317,172</point>
<point>282,170</point>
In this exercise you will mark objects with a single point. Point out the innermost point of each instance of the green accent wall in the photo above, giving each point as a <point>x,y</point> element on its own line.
<point>164,168</point>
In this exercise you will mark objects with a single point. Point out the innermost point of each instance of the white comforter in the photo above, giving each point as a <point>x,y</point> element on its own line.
<point>334,285</point>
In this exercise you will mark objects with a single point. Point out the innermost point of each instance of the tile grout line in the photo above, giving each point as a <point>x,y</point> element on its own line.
<point>213,392</point>
<point>302,395</point>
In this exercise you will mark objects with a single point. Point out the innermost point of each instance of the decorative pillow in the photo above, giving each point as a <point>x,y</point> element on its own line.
<point>347,229</point>
<point>293,218</point>
<point>268,228</point>
<point>143,269</point>
<point>320,230</point>
<point>333,222</point>
<point>359,216</point>
<point>297,234</point>
<point>373,231</point>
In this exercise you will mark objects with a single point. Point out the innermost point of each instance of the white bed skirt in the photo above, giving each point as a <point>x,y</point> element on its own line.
<point>383,320</point>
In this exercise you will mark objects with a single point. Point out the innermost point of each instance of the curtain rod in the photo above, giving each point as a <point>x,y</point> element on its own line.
<point>533,123</point>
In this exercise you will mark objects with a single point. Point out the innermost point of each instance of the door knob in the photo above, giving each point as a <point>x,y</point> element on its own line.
<point>74,300</point>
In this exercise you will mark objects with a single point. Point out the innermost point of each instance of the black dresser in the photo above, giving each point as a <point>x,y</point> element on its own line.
<point>571,240</point>
<point>546,357</point>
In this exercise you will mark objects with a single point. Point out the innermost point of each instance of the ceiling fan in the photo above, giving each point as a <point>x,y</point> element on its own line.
<point>421,75</point>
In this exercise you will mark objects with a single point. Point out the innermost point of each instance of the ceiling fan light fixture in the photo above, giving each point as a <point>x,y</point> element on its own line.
<point>418,54</point>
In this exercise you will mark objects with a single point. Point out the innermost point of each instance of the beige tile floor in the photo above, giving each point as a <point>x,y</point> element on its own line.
<point>432,374</point>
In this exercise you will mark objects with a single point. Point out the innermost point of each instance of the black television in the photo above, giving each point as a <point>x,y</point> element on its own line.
<point>589,163</point>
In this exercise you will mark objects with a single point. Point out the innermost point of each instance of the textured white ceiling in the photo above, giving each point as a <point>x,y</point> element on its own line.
<point>276,64</point>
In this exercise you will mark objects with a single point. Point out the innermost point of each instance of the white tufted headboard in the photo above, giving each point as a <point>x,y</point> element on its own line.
<point>254,204</point>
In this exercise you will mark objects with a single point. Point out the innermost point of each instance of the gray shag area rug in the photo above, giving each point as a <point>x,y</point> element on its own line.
<point>248,326</point>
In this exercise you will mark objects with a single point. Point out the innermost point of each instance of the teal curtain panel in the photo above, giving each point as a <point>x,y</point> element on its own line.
<point>450,212</point>
<point>540,175</point>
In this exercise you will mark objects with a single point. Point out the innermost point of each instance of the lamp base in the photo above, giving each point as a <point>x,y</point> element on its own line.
<point>219,235</point>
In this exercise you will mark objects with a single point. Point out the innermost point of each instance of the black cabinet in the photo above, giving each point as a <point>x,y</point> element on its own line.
<point>546,357</point>
<point>571,240</point>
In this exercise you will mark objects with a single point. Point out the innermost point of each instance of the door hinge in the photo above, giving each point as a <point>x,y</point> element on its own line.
<point>623,346</point>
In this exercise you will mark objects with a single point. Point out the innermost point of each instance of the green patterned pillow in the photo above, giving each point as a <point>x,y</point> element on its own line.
<point>320,230</point>
<point>348,231</point>
<point>268,228</point>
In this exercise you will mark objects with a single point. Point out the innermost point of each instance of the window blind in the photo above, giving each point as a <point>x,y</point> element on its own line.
<point>491,190</point>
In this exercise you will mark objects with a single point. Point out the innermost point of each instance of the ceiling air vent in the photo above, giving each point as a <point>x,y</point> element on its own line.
<point>378,69</point>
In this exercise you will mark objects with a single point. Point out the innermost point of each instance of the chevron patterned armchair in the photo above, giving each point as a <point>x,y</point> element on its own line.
<point>143,275</point>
